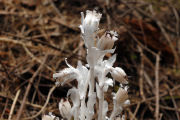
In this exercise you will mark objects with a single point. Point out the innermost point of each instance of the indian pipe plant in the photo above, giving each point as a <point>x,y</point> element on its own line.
<point>92,78</point>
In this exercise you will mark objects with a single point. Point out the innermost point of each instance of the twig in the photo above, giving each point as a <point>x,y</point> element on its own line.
<point>131,115</point>
<point>5,95</point>
<point>161,28</point>
<point>13,105</point>
<point>4,110</point>
<point>141,73</point>
<point>175,106</point>
<point>157,86</point>
<point>161,95</point>
<point>167,108</point>
<point>42,109</point>
<point>144,13</point>
<point>5,70</point>
<point>28,88</point>
<point>6,39</point>
<point>167,38</point>
<point>177,28</point>
<point>148,79</point>
<point>136,40</point>
<point>135,112</point>
<point>55,8</point>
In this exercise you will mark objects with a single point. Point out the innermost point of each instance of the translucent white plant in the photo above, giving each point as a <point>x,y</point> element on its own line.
<point>96,68</point>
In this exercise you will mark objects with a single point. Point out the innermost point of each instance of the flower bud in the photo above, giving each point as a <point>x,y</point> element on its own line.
<point>121,96</point>
<point>119,75</point>
<point>65,108</point>
<point>107,40</point>
<point>49,117</point>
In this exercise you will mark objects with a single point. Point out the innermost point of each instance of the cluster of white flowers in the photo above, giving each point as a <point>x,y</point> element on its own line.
<point>97,68</point>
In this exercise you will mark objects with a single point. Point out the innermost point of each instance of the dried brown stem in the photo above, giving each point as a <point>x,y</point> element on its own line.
<point>44,106</point>
<point>157,86</point>
<point>28,89</point>
<point>13,105</point>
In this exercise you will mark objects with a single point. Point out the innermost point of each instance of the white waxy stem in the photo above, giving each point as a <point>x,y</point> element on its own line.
<point>107,40</point>
<point>65,108</point>
<point>119,75</point>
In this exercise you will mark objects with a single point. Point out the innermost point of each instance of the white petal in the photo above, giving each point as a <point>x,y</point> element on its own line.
<point>127,102</point>
<point>111,60</point>
<point>108,82</point>
<point>74,95</point>
<point>68,64</point>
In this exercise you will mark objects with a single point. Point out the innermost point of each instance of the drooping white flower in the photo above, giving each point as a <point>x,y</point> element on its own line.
<point>91,21</point>
<point>89,25</point>
<point>119,75</point>
<point>69,74</point>
<point>65,108</point>
<point>65,76</point>
<point>120,99</point>
<point>49,117</point>
<point>107,40</point>
<point>121,96</point>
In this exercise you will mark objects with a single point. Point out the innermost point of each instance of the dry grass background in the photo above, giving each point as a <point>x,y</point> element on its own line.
<point>37,35</point>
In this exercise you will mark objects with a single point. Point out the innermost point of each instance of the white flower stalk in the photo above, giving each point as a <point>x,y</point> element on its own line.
<point>96,67</point>
<point>74,95</point>
<point>89,28</point>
